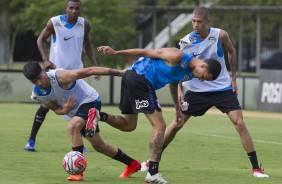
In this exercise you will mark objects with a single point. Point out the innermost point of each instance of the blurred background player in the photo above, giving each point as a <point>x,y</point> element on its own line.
<point>69,34</point>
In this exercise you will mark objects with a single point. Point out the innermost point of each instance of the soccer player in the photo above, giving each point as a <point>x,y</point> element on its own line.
<point>205,42</point>
<point>69,34</point>
<point>66,93</point>
<point>139,82</point>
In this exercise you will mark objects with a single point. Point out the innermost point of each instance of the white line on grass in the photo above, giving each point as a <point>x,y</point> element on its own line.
<point>226,137</point>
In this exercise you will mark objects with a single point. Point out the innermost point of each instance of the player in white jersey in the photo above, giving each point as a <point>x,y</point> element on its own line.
<point>69,34</point>
<point>66,93</point>
<point>205,42</point>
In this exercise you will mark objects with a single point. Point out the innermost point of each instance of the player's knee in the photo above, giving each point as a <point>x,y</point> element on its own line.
<point>98,148</point>
<point>176,126</point>
<point>128,128</point>
<point>73,127</point>
<point>240,126</point>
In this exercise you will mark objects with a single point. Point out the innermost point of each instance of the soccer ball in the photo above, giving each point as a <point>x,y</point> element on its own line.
<point>74,162</point>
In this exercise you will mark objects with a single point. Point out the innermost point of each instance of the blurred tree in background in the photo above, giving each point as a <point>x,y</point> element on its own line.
<point>111,23</point>
<point>114,23</point>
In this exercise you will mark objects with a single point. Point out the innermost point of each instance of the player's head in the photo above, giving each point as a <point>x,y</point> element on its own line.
<point>201,20</point>
<point>76,1</point>
<point>32,70</point>
<point>207,70</point>
<point>34,73</point>
<point>73,9</point>
<point>213,67</point>
<point>201,11</point>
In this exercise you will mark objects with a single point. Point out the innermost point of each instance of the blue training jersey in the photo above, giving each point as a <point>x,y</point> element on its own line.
<point>159,73</point>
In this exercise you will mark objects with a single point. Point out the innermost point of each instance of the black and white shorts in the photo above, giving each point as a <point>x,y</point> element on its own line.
<point>137,94</point>
<point>198,103</point>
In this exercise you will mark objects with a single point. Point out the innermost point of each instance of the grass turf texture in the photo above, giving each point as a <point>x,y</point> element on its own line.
<point>206,151</point>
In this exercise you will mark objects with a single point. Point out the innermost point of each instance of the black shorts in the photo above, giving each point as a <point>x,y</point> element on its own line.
<point>137,94</point>
<point>83,113</point>
<point>199,103</point>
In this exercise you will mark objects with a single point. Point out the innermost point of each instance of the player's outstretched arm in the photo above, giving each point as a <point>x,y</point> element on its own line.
<point>69,76</point>
<point>137,52</point>
<point>172,55</point>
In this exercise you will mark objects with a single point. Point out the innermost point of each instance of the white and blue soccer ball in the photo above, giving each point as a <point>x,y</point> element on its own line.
<point>74,162</point>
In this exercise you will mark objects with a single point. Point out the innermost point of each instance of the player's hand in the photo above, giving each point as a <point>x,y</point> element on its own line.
<point>123,71</point>
<point>179,118</point>
<point>48,65</point>
<point>180,97</point>
<point>106,50</point>
<point>234,86</point>
<point>69,104</point>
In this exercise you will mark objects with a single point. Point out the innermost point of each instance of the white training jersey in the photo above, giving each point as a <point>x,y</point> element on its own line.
<point>67,45</point>
<point>205,49</point>
<point>80,90</point>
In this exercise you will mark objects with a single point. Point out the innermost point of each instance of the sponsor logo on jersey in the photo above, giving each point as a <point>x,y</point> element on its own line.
<point>43,91</point>
<point>183,42</point>
<point>212,38</point>
<point>193,39</point>
<point>67,38</point>
<point>186,78</point>
<point>141,104</point>
<point>57,25</point>
<point>195,55</point>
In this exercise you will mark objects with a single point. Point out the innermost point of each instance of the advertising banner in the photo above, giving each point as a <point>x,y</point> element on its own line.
<point>270,90</point>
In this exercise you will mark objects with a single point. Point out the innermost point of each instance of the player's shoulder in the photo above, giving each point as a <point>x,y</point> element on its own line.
<point>86,22</point>
<point>54,21</point>
<point>223,34</point>
<point>55,18</point>
<point>221,31</point>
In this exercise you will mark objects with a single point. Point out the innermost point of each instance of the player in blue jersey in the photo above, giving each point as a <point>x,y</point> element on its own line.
<point>69,35</point>
<point>149,73</point>
<point>205,42</point>
<point>67,94</point>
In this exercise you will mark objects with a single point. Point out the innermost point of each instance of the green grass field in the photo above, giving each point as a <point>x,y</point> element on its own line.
<point>206,151</point>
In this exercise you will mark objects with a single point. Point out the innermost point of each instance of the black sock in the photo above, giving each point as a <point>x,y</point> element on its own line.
<point>254,160</point>
<point>37,122</point>
<point>78,148</point>
<point>122,157</point>
<point>103,116</point>
<point>153,168</point>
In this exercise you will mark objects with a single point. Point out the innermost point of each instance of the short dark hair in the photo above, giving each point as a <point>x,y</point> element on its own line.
<point>213,67</point>
<point>201,10</point>
<point>32,70</point>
